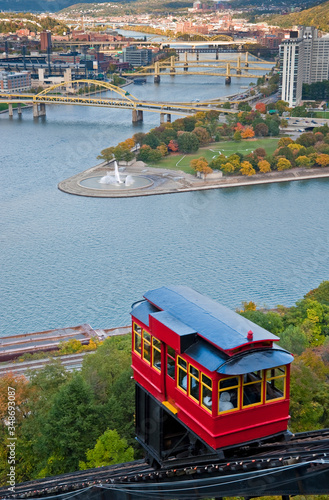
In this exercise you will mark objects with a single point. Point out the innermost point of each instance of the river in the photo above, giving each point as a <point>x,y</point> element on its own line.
<point>67,260</point>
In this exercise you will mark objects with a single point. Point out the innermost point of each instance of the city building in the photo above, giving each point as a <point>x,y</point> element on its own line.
<point>45,38</point>
<point>137,57</point>
<point>14,81</point>
<point>304,58</point>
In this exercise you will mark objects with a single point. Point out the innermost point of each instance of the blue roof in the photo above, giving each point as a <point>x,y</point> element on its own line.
<point>248,361</point>
<point>214,322</point>
<point>141,311</point>
<point>173,323</point>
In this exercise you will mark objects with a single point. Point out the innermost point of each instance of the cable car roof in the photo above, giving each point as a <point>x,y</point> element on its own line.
<point>248,361</point>
<point>214,322</point>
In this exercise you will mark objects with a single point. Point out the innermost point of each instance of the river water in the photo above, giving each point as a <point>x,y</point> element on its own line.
<point>67,260</point>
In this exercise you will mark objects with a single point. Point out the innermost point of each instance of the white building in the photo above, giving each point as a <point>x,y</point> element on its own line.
<point>304,58</point>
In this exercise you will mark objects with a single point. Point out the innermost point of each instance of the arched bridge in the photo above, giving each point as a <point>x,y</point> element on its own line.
<point>68,93</point>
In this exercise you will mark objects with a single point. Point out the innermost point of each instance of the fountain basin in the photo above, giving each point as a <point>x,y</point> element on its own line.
<point>140,182</point>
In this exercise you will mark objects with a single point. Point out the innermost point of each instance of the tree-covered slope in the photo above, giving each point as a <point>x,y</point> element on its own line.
<point>316,16</point>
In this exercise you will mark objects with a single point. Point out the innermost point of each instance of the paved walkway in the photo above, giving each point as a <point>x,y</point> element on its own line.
<point>166,181</point>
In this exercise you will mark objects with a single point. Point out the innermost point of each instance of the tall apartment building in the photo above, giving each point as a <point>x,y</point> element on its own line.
<point>14,81</point>
<point>304,58</point>
<point>137,57</point>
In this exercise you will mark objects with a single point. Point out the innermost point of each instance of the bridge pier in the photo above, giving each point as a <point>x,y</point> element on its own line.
<point>137,115</point>
<point>42,109</point>
<point>10,109</point>
<point>246,64</point>
<point>19,108</point>
<point>163,118</point>
<point>186,63</point>
<point>228,74</point>
<point>217,55</point>
<point>238,67</point>
<point>157,72</point>
<point>35,110</point>
<point>172,64</point>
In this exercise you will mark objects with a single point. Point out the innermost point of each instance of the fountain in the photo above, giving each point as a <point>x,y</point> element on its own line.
<point>115,182</point>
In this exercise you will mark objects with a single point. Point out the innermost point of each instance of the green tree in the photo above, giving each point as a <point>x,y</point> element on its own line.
<point>281,106</point>
<point>106,154</point>
<point>102,368</point>
<point>226,105</point>
<point>237,136</point>
<point>188,142</point>
<point>269,320</point>
<point>151,140</point>
<point>320,294</point>
<point>294,340</point>
<point>69,428</point>
<point>110,449</point>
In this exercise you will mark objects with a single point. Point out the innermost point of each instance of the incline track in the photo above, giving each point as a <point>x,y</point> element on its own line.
<point>301,450</point>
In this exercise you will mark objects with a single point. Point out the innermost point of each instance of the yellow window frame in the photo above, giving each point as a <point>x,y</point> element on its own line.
<point>190,375</point>
<point>155,348</point>
<point>138,335</point>
<point>209,387</point>
<point>224,389</point>
<point>184,370</point>
<point>147,342</point>
<point>254,382</point>
<point>268,379</point>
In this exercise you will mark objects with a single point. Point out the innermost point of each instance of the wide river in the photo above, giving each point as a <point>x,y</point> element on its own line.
<point>67,260</point>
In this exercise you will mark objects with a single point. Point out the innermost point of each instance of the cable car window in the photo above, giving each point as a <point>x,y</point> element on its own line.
<point>171,362</point>
<point>252,388</point>
<point>194,383</point>
<point>276,383</point>
<point>146,347</point>
<point>182,373</point>
<point>228,394</point>
<point>156,354</point>
<point>206,392</point>
<point>137,339</point>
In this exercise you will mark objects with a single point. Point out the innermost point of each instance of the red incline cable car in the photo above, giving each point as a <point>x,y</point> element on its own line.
<point>207,379</point>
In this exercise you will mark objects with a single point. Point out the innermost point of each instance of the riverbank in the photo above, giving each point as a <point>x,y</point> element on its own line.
<point>165,181</point>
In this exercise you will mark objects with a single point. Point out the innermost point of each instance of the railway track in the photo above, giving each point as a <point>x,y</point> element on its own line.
<point>305,454</point>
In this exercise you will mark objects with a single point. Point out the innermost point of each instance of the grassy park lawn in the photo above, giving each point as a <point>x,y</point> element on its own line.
<point>4,106</point>
<point>182,162</point>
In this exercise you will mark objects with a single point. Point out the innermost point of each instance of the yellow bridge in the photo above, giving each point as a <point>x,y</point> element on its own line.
<point>233,67</point>
<point>66,93</point>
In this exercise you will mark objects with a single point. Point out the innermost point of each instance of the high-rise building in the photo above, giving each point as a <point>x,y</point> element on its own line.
<point>304,58</point>
<point>45,38</point>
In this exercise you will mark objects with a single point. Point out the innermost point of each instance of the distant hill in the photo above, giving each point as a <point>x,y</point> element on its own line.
<point>57,5</point>
<point>45,5</point>
<point>316,16</point>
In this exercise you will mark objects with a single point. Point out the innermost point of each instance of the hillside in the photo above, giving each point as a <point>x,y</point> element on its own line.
<point>43,5</point>
<point>133,7</point>
<point>316,16</point>
<point>110,5</point>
